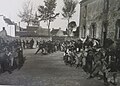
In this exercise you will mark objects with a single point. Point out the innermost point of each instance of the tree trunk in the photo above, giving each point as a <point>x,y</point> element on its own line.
<point>68,27</point>
<point>27,23</point>
<point>68,21</point>
<point>39,23</point>
<point>49,28</point>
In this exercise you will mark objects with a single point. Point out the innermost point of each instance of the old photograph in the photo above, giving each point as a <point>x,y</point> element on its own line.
<point>59,42</point>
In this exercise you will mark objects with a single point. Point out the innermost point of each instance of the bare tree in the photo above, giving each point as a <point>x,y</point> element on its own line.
<point>69,9</point>
<point>27,14</point>
<point>47,12</point>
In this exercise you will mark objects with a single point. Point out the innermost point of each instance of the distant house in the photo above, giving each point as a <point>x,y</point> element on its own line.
<point>57,32</point>
<point>35,32</point>
<point>73,33</point>
<point>65,33</point>
<point>8,25</point>
<point>5,36</point>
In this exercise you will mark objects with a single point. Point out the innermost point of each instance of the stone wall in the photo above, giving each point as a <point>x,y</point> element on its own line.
<point>35,38</point>
<point>113,16</point>
<point>93,15</point>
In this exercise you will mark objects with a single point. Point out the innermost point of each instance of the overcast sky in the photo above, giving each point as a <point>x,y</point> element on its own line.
<point>10,8</point>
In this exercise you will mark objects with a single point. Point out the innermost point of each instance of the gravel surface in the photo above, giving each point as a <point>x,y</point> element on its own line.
<point>47,70</point>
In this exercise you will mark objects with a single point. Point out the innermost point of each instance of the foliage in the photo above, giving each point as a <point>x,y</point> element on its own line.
<point>77,32</point>
<point>35,20</point>
<point>47,12</point>
<point>27,14</point>
<point>72,24</point>
<point>69,9</point>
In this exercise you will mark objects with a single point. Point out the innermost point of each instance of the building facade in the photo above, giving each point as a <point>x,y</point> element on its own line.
<point>9,26</point>
<point>57,32</point>
<point>100,19</point>
<point>33,32</point>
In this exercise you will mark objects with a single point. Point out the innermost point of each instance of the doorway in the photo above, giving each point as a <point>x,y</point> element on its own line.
<point>117,32</point>
<point>93,30</point>
<point>104,32</point>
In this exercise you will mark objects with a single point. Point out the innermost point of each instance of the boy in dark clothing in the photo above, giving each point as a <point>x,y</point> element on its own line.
<point>40,47</point>
<point>89,61</point>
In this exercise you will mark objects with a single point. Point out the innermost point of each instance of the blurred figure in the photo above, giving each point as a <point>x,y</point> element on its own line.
<point>31,43</point>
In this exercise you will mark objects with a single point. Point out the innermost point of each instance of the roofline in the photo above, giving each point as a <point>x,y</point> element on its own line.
<point>82,1</point>
<point>34,36</point>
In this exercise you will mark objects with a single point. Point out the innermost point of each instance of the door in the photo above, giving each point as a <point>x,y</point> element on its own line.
<point>104,33</point>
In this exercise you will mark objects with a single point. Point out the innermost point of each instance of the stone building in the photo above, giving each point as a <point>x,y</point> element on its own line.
<point>57,32</point>
<point>33,32</point>
<point>8,24</point>
<point>100,19</point>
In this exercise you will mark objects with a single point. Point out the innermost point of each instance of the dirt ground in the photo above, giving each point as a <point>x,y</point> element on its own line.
<point>47,70</point>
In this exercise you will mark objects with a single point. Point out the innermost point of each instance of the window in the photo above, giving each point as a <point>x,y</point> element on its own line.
<point>118,32</point>
<point>117,36</point>
<point>93,30</point>
<point>106,5</point>
<point>83,32</point>
<point>85,12</point>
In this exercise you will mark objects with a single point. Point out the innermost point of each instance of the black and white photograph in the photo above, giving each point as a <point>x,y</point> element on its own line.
<point>59,42</point>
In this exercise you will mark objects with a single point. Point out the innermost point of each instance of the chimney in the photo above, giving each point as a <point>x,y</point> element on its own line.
<point>59,28</point>
<point>3,28</point>
<point>15,28</point>
<point>19,26</point>
<point>52,28</point>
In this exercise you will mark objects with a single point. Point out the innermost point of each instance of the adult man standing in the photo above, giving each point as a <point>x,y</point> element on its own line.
<point>31,43</point>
